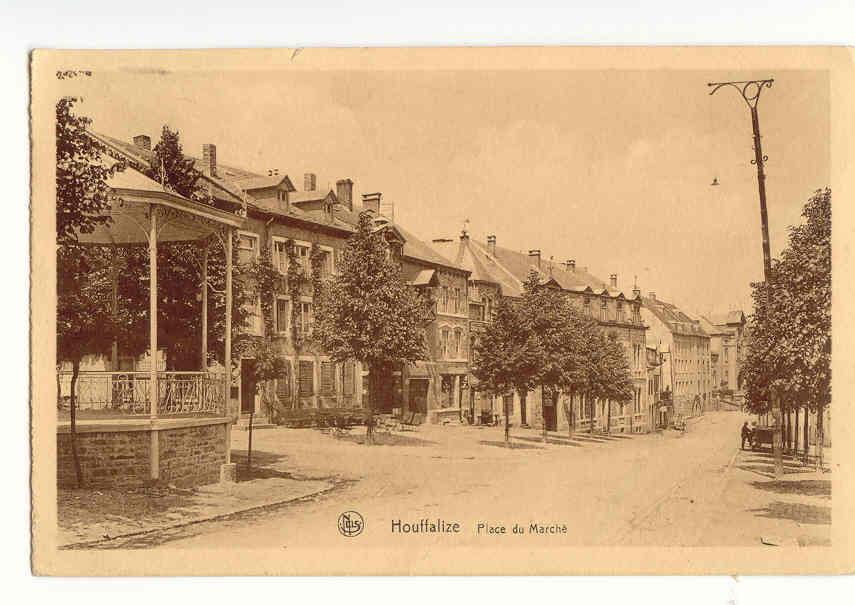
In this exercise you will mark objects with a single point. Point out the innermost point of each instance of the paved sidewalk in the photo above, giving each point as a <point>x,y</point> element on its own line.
<point>89,516</point>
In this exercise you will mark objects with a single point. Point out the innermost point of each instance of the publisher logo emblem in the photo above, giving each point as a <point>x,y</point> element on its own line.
<point>350,524</point>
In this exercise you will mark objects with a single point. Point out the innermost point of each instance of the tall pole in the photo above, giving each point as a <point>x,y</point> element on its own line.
<point>750,91</point>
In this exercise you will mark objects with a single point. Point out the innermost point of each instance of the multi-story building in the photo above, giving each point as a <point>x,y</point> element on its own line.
<point>615,312</point>
<point>686,349</point>
<point>727,342</point>
<point>318,223</point>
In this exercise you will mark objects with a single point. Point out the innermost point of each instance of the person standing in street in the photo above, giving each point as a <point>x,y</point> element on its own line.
<point>746,434</point>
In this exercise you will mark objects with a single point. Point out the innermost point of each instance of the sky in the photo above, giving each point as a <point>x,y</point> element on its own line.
<point>609,168</point>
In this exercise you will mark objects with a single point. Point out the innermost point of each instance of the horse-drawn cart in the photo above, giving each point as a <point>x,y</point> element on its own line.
<point>761,436</point>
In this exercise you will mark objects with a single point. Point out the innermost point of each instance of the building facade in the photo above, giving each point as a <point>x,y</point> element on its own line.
<point>686,349</point>
<point>505,270</point>
<point>727,342</point>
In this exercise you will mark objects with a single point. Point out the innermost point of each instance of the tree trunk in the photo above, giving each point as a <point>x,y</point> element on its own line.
<point>543,411</point>
<point>590,409</point>
<point>796,434</point>
<point>523,400</point>
<point>75,371</point>
<point>819,435</point>
<point>249,445</point>
<point>806,434</point>
<point>571,420</point>
<point>608,416</point>
<point>507,420</point>
<point>372,393</point>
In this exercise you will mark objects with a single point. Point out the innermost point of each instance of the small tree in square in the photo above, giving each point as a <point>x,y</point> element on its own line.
<point>369,314</point>
<point>508,356</point>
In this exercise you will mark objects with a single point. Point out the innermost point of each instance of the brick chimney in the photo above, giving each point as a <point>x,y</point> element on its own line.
<point>143,141</point>
<point>209,159</point>
<point>534,255</point>
<point>310,181</point>
<point>491,245</point>
<point>613,280</point>
<point>651,295</point>
<point>371,201</point>
<point>571,265</point>
<point>344,192</point>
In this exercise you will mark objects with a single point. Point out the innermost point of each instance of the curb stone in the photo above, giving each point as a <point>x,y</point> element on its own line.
<point>216,517</point>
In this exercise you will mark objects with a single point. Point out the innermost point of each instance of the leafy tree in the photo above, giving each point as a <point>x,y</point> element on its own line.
<point>82,193</point>
<point>169,164</point>
<point>369,314</point>
<point>84,323</point>
<point>82,199</point>
<point>507,358</point>
<point>789,351</point>
<point>615,384</point>
<point>560,346</point>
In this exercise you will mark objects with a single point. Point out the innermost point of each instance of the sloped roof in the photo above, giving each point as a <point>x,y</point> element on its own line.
<point>301,197</point>
<point>723,319</point>
<point>473,257</point>
<point>673,318</point>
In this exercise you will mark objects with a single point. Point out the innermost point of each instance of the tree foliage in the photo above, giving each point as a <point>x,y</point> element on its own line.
<point>169,165</point>
<point>789,343</point>
<point>82,192</point>
<point>367,312</point>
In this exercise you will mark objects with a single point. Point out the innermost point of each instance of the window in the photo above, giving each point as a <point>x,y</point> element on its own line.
<point>586,305</point>
<point>458,344</point>
<point>620,311</point>
<point>283,384</point>
<point>254,320</point>
<point>280,256</point>
<point>348,378</point>
<point>603,310</point>
<point>303,258</point>
<point>247,248</point>
<point>327,377</point>
<point>306,319</point>
<point>283,313</point>
<point>476,312</point>
<point>488,308</point>
<point>636,314</point>
<point>307,377</point>
<point>443,344</point>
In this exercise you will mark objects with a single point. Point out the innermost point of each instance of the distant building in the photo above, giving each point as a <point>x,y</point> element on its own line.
<point>728,343</point>
<point>686,348</point>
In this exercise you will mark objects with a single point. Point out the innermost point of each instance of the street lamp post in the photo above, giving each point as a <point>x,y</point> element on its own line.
<point>750,91</point>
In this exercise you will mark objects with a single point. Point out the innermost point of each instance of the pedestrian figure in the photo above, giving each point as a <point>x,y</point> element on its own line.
<point>746,434</point>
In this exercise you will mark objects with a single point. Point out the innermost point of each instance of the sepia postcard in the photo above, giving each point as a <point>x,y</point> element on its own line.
<point>442,311</point>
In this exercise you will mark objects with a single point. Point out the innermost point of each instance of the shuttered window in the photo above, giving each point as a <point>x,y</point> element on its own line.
<point>283,385</point>
<point>348,381</point>
<point>307,377</point>
<point>327,377</point>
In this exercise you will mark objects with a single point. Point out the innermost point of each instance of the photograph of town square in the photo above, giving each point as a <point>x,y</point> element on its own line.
<point>315,307</point>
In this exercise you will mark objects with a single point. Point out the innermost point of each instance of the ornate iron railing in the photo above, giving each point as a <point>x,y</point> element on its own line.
<point>129,392</point>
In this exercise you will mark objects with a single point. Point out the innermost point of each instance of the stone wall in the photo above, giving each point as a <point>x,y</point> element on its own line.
<point>188,455</point>
<point>192,455</point>
<point>114,459</point>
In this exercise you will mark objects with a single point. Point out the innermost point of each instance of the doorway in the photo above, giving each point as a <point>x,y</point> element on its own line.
<point>247,386</point>
<point>418,395</point>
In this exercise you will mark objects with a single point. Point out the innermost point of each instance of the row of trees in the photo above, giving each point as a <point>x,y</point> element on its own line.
<point>789,347</point>
<point>541,340</point>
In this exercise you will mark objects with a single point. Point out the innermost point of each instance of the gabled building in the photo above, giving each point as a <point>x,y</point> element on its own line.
<point>322,220</point>
<point>686,349</point>
<point>505,271</point>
